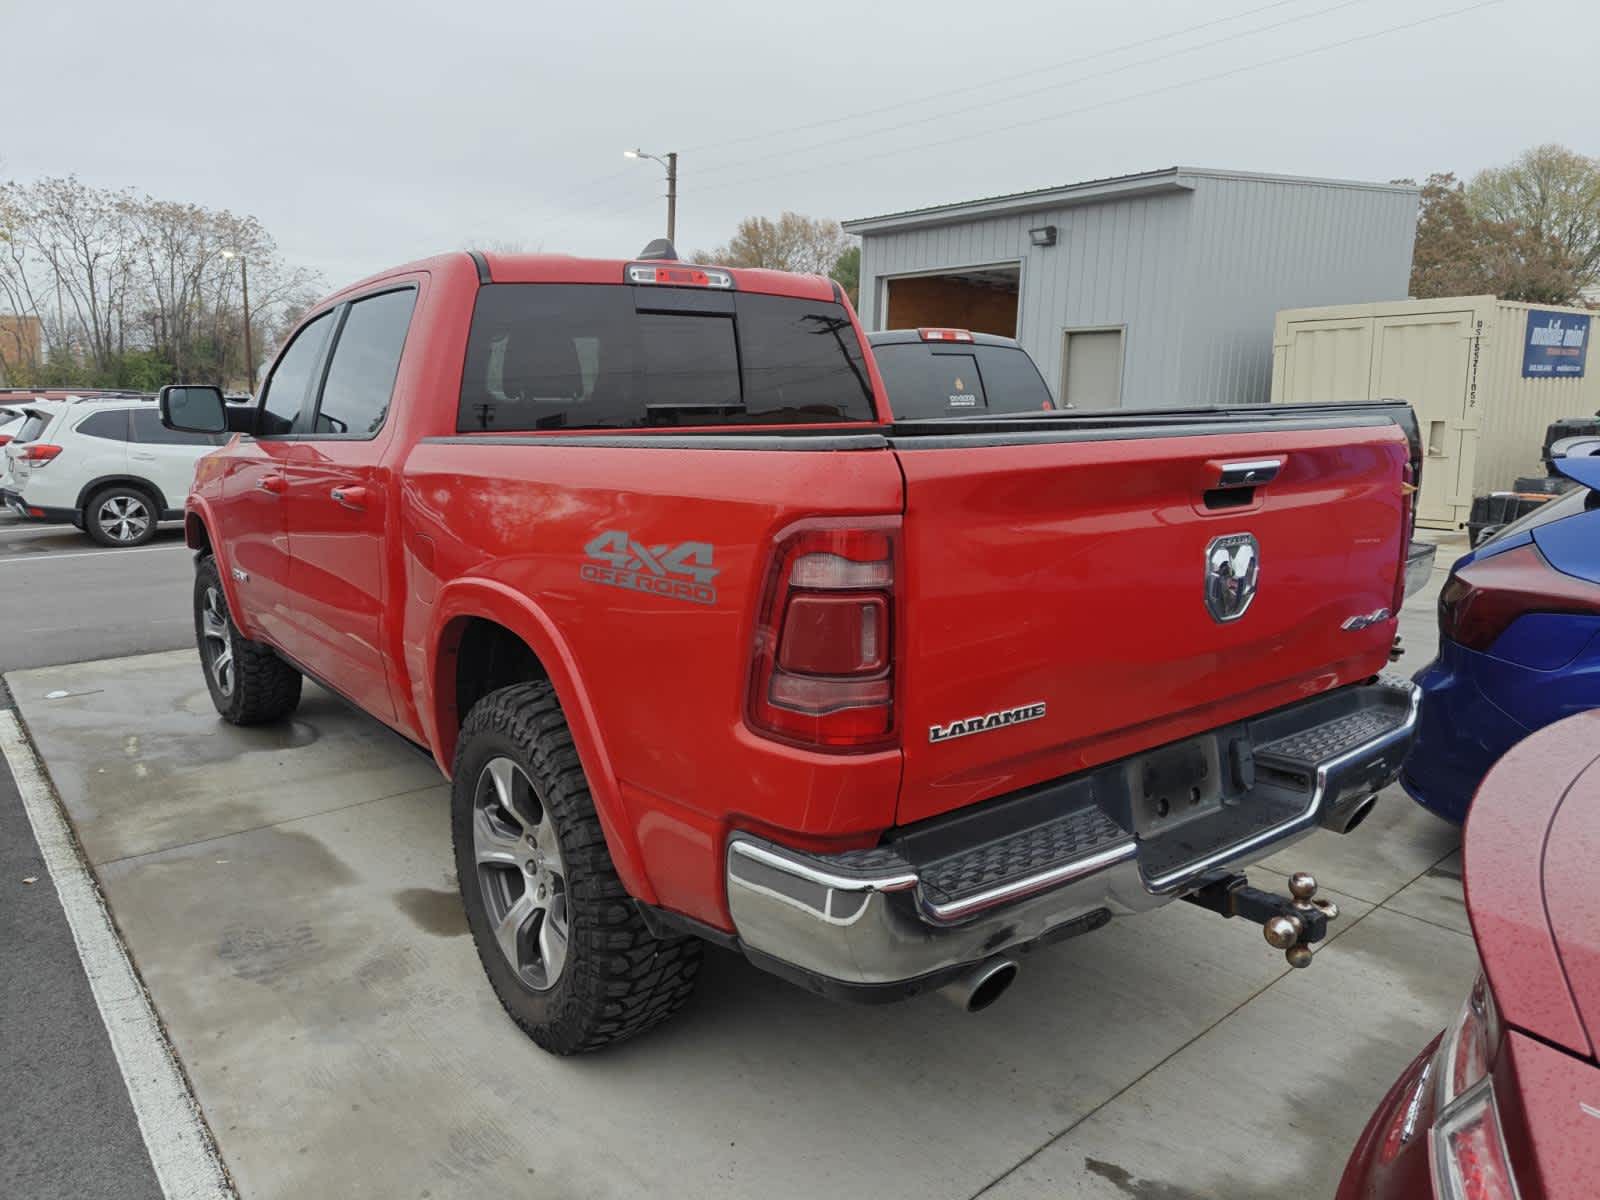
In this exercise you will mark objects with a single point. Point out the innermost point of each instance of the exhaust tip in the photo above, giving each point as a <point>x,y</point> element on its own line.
<point>1361,813</point>
<point>983,985</point>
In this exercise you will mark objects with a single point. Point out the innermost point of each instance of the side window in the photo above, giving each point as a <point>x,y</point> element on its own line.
<point>147,428</point>
<point>283,399</point>
<point>355,396</point>
<point>112,426</point>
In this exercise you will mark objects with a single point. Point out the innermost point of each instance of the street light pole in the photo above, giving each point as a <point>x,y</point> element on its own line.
<point>670,162</point>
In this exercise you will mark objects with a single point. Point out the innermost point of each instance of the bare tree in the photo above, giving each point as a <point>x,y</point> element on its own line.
<point>809,245</point>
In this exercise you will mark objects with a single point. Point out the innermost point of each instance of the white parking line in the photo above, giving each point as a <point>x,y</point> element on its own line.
<point>181,1150</point>
<point>35,556</point>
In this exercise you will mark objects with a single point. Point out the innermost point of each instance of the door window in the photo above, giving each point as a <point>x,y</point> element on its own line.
<point>148,430</point>
<point>355,396</point>
<point>283,399</point>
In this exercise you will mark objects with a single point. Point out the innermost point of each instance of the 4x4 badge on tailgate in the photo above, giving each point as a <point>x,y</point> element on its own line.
<point>994,720</point>
<point>681,572</point>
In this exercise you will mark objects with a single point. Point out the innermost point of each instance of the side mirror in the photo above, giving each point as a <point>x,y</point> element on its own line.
<point>193,408</point>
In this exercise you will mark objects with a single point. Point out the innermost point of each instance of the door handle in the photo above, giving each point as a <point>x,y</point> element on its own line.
<point>274,485</point>
<point>143,457</point>
<point>350,497</point>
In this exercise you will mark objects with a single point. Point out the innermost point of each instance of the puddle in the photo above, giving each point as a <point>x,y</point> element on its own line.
<point>433,911</point>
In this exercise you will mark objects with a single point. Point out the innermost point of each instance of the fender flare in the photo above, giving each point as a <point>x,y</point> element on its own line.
<point>198,512</point>
<point>490,600</point>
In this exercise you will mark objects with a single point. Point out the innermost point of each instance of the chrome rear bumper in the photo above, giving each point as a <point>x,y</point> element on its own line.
<point>876,924</point>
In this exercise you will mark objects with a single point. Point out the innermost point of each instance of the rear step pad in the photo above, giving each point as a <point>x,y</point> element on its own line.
<point>1071,836</point>
<point>1317,745</point>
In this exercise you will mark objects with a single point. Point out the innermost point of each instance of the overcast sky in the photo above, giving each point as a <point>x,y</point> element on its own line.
<point>365,135</point>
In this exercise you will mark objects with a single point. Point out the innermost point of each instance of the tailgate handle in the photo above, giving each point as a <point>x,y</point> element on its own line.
<point>1252,473</point>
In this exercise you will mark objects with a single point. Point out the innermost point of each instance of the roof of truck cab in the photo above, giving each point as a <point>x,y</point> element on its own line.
<point>567,268</point>
<point>905,337</point>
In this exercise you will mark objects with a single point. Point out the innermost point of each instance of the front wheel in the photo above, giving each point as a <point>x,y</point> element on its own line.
<point>566,951</point>
<point>249,683</point>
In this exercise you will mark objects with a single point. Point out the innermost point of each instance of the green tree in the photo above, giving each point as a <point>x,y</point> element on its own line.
<point>1552,195</point>
<point>847,273</point>
<point>1460,252</point>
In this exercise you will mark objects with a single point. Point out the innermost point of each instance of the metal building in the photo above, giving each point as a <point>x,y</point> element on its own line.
<point>1143,290</point>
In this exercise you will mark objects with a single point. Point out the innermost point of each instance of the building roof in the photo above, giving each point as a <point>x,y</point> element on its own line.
<point>1115,187</point>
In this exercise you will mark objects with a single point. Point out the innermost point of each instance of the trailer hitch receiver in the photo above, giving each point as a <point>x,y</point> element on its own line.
<point>1292,923</point>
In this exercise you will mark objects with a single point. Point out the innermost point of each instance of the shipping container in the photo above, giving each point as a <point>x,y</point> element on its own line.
<point>1485,376</point>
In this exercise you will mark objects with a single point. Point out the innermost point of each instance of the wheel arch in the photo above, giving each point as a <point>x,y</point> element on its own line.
<point>88,490</point>
<point>486,636</point>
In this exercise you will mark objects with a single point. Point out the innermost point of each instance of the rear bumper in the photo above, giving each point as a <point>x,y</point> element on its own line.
<point>11,501</point>
<point>1419,566</point>
<point>1058,860</point>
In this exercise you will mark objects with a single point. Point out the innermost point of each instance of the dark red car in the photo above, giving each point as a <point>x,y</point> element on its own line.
<point>1506,1102</point>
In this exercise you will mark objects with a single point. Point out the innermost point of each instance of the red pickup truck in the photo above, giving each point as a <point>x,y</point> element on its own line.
<point>714,648</point>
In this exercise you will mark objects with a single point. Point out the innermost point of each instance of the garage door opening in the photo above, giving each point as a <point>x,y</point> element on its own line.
<point>982,299</point>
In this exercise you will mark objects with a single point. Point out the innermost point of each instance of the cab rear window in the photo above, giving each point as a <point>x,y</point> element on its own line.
<point>925,380</point>
<point>586,356</point>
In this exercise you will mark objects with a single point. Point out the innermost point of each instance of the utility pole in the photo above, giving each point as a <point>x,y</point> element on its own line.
<point>672,197</point>
<point>249,354</point>
<point>670,162</point>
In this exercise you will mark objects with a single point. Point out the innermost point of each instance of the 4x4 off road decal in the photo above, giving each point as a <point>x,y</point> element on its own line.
<point>994,720</point>
<point>681,572</point>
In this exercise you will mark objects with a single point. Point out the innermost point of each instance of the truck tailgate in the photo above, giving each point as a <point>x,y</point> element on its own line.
<point>1057,588</point>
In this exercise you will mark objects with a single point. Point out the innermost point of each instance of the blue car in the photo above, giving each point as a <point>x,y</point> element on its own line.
<point>1519,644</point>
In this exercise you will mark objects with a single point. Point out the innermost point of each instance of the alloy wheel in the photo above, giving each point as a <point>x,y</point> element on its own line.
<point>520,873</point>
<point>123,518</point>
<point>218,640</point>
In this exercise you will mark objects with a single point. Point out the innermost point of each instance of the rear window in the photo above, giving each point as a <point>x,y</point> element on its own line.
<point>925,380</point>
<point>33,424</point>
<point>548,356</point>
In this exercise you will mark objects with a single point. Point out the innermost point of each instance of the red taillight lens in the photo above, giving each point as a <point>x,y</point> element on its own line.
<point>1481,600</point>
<point>822,673</point>
<point>1469,1150</point>
<point>4,438</point>
<point>39,453</point>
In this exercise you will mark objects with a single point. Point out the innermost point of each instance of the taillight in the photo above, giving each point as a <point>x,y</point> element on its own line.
<point>4,438</point>
<point>823,666</point>
<point>39,453</point>
<point>1469,1148</point>
<point>944,335</point>
<point>1479,602</point>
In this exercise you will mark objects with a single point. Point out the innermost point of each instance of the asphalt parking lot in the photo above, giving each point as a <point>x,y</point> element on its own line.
<point>286,896</point>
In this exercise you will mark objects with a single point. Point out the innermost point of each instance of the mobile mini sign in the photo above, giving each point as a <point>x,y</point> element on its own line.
<point>1556,346</point>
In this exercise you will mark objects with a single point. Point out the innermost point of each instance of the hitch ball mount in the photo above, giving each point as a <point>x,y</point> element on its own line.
<point>1292,923</point>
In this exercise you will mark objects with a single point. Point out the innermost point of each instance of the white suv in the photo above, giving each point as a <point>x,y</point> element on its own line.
<point>107,466</point>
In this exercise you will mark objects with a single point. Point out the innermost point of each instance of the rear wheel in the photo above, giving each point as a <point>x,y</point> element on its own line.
<point>249,683</point>
<point>565,949</point>
<point>121,515</point>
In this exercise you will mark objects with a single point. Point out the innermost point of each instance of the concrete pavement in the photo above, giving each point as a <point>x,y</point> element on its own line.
<point>287,894</point>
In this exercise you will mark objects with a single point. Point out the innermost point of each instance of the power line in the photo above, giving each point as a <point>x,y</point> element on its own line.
<point>587,188</point>
<point>988,83</point>
<point>1156,91</point>
<point>929,118</point>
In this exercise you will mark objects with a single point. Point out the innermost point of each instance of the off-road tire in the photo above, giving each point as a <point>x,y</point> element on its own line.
<point>138,498</point>
<point>618,979</point>
<point>265,688</point>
